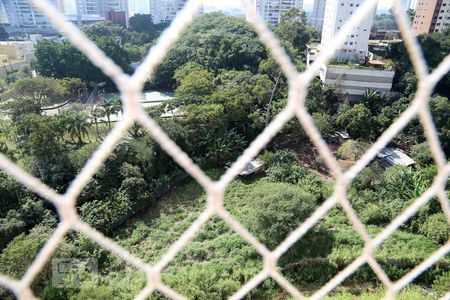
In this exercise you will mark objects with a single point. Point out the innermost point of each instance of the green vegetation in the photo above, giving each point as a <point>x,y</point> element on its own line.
<point>227,89</point>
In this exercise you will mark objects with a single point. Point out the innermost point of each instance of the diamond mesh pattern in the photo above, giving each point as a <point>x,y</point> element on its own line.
<point>131,87</point>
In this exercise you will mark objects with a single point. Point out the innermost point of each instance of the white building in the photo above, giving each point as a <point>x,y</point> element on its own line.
<point>337,12</point>
<point>166,10</point>
<point>353,82</point>
<point>22,16</point>
<point>318,14</point>
<point>272,10</point>
<point>91,11</point>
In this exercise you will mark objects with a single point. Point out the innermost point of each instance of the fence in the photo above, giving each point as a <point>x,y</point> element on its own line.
<point>131,87</point>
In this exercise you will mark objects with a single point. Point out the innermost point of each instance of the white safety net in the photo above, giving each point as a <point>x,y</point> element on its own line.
<point>131,88</point>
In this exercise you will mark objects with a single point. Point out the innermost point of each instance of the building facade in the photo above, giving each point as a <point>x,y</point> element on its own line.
<point>337,12</point>
<point>90,11</point>
<point>165,10</point>
<point>354,82</point>
<point>443,18</point>
<point>272,10</point>
<point>318,14</point>
<point>20,15</point>
<point>431,16</point>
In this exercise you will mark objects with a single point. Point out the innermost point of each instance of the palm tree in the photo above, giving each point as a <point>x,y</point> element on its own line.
<point>110,107</point>
<point>96,114</point>
<point>77,126</point>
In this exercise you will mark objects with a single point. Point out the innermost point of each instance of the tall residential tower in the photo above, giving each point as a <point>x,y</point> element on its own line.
<point>166,10</point>
<point>431,16</point>
<point>89,11</point>
<point>272,10</point>
<point>318,14</point>
<point>337,12</point>
<point>22,16</point>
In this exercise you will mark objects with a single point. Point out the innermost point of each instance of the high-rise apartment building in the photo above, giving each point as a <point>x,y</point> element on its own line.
<point>337,12</point>
<point>165,10</point>
<point>443,19</point>
<point>431,16</point>
<point>21,15</point>
<point>318,13</point>
<point>272,10</point>
<point>89,11</point>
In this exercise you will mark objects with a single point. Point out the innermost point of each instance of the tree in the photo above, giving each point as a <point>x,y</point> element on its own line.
<point>422,154</point>
<point>322,98</point>
<point>276,210</point>
<point>216,42</point>
<point>41,90</point>
<point>194,82</point>
<point>21,107</point>
<point>352,149</point>
<point>76,125</point>
<point>104,28</point>
<point>221,150</point>
<point>96,114</point>
<point>141,22</point>
<point>374,100</point>
<point>20,253</point>
<point>293,29</point>
<point>323,122</point>
<point>435,48</point>
<point>62,59</point>
<point>357,121</point>
<point>110,107</point>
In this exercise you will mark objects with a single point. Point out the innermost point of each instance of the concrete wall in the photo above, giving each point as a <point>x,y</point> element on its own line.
<point>356,81</point>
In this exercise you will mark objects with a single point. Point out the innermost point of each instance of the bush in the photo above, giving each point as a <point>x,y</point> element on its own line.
<point>285,168</point>
<point>436,228</point>
<point>277,210</point>
<point>290,173</point>
<point>268,158</point>
<point>103,215</point>
<point>10,227</point>
<point>442,283</point>
<point>422,154</point>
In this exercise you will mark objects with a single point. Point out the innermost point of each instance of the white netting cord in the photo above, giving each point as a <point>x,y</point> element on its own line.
<point>131,87</point>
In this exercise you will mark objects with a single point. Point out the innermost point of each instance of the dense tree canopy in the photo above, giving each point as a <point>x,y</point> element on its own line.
<point>62,59</point>
<point>216,42</point>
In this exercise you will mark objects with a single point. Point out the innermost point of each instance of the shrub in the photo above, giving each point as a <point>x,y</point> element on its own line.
<point>102,215</point>
<point>284,172</point>
<point>442,283</point>
<point>422,154</point>
<point>268,158</point>
<point>10,227</point>
<point>436,228</point>
<point>277,210</point>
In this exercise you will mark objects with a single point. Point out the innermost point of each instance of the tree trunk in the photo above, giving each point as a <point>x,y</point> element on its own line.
<point>272,95</point>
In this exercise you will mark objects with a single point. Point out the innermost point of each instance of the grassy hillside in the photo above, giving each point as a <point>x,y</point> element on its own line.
<point>217,262</point>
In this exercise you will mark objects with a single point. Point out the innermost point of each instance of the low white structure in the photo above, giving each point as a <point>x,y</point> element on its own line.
<point>352,79</point>
<point>394,157</point>
<point>355,81</point>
